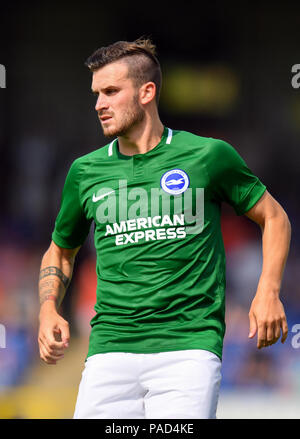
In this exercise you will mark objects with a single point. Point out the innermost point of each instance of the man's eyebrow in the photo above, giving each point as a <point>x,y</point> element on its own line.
<point>109,87</point>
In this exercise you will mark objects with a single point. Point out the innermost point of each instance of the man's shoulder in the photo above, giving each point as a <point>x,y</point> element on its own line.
<point>196,140</point>
<point>99,154</point>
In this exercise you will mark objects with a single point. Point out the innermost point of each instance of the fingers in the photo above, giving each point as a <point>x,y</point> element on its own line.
<point>253,325</point>
<point>277,332</point>
<point>268,320</point>
<point>65,334</point>
<point>285,330</point>
<point>51,350</point>
<point>49,356</point>
<point>270,332</point>
<point>50,343</point>
<point>261,335</point>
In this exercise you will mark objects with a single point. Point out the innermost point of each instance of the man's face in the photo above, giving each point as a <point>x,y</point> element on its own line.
<point>117,103</point>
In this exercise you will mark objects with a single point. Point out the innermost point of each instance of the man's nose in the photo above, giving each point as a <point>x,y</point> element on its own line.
<point>101,103</point>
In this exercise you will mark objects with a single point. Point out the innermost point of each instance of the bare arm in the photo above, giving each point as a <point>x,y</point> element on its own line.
<point>55,276</point>
<point>267,315</point>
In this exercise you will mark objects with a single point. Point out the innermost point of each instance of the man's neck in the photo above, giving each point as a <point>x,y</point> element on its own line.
<point>142,138</point>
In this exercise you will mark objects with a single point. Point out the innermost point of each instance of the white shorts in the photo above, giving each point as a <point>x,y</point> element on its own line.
<point>165,385</point>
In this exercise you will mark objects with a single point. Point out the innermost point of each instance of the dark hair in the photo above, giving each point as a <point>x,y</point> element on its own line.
<point>140,55</point>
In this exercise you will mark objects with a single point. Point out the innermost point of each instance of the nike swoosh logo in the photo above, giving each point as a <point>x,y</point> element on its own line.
<point>95,199</point>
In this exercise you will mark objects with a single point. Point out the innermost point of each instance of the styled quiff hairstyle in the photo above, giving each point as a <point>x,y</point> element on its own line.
<point>139,55</point>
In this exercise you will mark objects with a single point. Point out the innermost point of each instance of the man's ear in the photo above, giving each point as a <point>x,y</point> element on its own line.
<point>147,92</point>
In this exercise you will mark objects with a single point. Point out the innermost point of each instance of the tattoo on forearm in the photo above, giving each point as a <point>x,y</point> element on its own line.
<point>48,284</point>
<point>55,271</point>
<point>51,293</point>
<point>52,289</point>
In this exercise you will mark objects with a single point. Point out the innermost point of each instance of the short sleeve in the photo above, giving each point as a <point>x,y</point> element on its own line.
<point>71,225</point>
<point>230,178</point>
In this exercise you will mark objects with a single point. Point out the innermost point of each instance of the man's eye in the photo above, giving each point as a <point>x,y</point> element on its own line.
<point>111,91</point>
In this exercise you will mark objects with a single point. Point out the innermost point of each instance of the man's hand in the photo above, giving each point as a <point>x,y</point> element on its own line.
<point>267,319</point>
<point>53,335</point>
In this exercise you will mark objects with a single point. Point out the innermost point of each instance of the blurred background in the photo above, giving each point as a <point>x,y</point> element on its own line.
<point>227,72</point>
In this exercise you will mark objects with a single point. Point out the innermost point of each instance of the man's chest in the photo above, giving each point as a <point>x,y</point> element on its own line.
<point>138,191</point>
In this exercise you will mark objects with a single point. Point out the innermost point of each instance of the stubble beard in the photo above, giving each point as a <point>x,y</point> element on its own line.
<point>133,116</point>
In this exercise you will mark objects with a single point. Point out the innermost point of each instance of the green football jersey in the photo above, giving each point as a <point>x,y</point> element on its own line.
<point>157,231</point>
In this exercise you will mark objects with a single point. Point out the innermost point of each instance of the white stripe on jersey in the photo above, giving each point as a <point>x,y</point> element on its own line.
<point>110,148</point>
<point>170,134</point>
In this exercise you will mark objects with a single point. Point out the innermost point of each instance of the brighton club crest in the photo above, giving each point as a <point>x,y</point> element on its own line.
<point>175,182</point>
